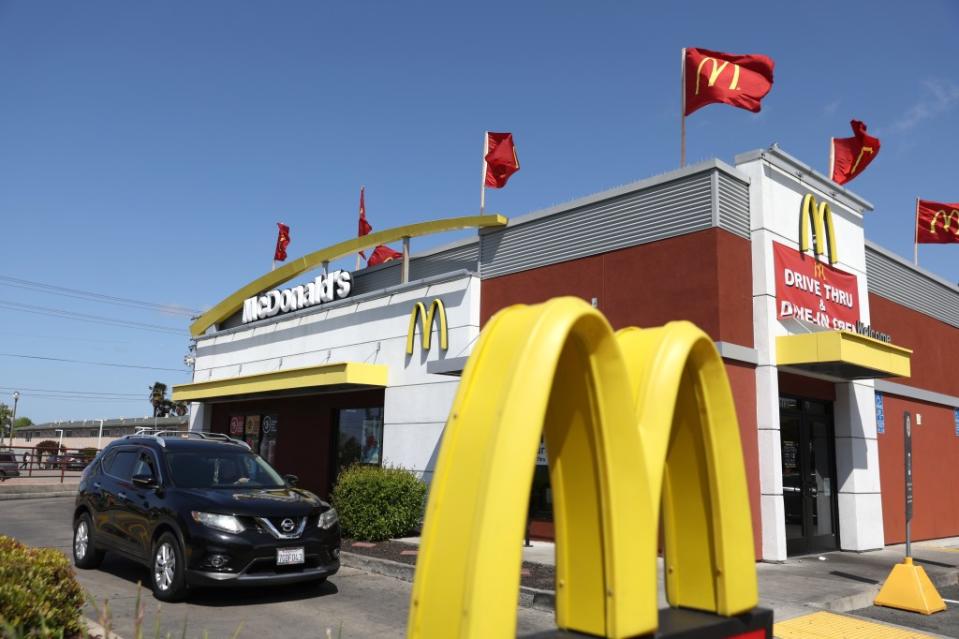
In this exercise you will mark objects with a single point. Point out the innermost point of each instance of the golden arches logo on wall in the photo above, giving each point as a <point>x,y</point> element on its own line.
<point>821,215</point>
<point>634,421</point>
<point>436,312</point>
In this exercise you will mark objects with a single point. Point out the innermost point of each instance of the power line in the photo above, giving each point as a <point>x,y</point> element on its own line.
<point>70,392</point>
<point>83,317</point>
<point>96,297</point>
<point>83,361</point>
<point>89,399</point>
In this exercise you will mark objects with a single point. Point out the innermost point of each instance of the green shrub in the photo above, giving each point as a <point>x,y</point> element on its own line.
<point>39,593</point>
<point>88,453</point>
<point>378,503</point>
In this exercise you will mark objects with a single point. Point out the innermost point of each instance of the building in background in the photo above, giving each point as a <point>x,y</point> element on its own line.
<point>818,328</point>
<point>86,433</point>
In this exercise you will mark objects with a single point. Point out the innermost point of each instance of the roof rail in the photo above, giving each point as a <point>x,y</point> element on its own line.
<point>220,437</point>
<point>159,435</point>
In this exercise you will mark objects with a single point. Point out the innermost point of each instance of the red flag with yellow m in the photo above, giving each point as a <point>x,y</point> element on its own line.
<point>850,156</point>
<point>937,222</point>
<point>741,81</point>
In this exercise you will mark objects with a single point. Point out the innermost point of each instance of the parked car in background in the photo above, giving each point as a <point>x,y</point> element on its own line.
<point>8,465</point>
<point>67,462</point>
<point>201,509</point>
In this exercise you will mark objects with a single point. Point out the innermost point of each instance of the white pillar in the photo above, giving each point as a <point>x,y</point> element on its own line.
<point>857,467</point>
<point>199,417</point>
<point>770,464</point>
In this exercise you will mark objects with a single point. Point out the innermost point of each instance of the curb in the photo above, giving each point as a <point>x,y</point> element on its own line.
<point>534,598</point>
<point>12,496</point>
<point>37,491</point>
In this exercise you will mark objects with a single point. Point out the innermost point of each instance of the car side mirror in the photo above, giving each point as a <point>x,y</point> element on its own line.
<point>291,479</point>
<point>145,481</point>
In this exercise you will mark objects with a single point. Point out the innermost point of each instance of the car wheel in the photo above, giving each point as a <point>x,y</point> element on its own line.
<point>85,553</point>
<point>168,570</point>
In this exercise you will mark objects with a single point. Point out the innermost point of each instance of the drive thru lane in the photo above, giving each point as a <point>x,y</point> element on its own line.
<point>366,605</point>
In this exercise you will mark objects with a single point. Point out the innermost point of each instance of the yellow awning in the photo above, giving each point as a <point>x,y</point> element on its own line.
<point>339,374</point>
<point>843,354</point>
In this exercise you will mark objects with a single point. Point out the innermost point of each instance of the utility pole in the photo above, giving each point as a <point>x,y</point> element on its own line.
<point>13,420</point>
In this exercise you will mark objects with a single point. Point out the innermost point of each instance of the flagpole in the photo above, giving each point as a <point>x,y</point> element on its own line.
<point>832,156</point>
<point>915,235</point>
<point>682,109</point>
<point>483,181</point>
<point>362,188</point>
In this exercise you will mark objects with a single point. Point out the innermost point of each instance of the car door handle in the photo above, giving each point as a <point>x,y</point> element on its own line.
<point>96,485</point>
<point>122,496</point>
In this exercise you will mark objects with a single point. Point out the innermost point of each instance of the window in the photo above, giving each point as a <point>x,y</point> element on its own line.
<point>360,436</point>
<point>144,466</point>
<point>121,465</point>
<point>222,469</point>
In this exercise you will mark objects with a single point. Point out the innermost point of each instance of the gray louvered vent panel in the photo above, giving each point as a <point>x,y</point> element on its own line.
<point>367,281</point>
<point>899,283</point>
<point>454,259</point>
<point>733,205</point>
<point>663,211</point>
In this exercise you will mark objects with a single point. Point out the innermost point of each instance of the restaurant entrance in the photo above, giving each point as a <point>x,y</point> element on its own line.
<point>809,475</point>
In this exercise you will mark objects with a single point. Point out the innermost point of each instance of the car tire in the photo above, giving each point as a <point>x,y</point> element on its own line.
<point>85,553</point>
<point>168,569</point>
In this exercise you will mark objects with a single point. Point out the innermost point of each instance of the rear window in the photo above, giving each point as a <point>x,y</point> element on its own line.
<point>222,469</point>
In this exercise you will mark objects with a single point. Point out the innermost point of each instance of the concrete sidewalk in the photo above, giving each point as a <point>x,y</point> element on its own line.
<point>835,581</point>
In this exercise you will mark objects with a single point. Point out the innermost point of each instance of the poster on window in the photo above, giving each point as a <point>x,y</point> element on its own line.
<point>236,426</point>
<point>371,441</point>
<point>268,431</point>
<point>252,431</point>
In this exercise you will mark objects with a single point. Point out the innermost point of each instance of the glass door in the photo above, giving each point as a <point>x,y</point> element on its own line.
<point>809,475</point>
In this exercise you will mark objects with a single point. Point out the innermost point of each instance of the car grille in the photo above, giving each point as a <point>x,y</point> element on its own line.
<point>274,526</point>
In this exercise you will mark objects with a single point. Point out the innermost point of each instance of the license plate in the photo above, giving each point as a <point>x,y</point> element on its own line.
<point>289,556</point>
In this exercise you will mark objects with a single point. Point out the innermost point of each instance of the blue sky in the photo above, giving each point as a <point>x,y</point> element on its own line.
<point>148,149</point>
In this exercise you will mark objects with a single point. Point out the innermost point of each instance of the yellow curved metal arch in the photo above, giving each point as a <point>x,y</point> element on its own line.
<point>234,302</point>
<point>627,418</point>
<point>552,369</point>
<point>426,325</point>
<point>690,434</point>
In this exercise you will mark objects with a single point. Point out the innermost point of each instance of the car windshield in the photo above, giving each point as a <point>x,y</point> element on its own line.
<point>222,469</point>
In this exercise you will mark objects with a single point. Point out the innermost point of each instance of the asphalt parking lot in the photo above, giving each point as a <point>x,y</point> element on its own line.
<point>361,604</point>
<point>945,623</point>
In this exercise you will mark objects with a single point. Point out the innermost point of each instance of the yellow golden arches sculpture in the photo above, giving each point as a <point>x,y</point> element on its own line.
<point>621,415</point>
<point>295,267</point>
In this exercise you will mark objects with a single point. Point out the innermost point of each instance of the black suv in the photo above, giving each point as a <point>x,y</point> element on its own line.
<point>201,509</point>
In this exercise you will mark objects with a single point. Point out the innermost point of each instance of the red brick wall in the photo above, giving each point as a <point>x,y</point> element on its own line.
<point>704,277</point>
<point>742,380</point>
<point>935,466</point>
<point>305,436</point>
<point>935,344</point>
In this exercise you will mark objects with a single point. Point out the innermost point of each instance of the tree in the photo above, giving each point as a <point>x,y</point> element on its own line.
<point>23,422</point>
<point>5,414</point>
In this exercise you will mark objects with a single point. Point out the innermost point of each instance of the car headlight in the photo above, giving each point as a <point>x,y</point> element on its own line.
<point>328,518</point>
<point>226,523</point>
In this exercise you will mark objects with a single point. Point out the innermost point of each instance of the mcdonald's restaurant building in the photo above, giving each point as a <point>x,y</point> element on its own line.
<point>827,340</point>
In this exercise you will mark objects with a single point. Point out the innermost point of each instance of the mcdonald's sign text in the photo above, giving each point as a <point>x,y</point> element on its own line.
<point>808,290</point>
